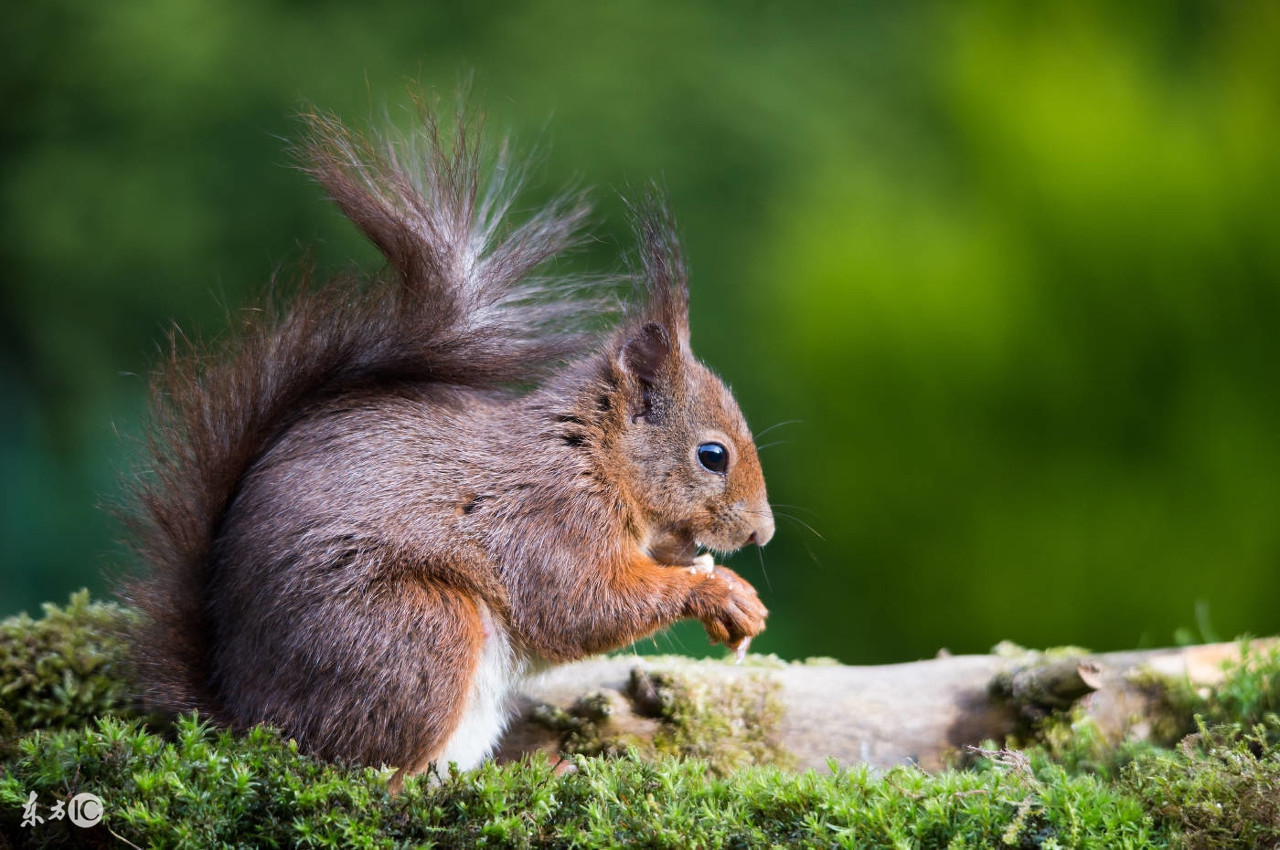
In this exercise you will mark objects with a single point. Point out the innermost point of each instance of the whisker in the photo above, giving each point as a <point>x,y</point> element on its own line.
<point>768,584</point>
<point>777,425</point>
<point>812,556</point>
<point>792,507</point>
<point>802,524</point>
<point>770,445</point>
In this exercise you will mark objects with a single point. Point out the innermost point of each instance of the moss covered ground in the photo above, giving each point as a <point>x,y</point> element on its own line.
<point>66,728</point>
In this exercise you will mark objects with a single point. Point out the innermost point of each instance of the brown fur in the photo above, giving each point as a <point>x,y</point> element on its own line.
<point>348,501</point>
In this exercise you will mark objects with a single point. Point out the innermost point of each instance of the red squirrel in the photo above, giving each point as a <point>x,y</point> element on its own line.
<point>378,506</point>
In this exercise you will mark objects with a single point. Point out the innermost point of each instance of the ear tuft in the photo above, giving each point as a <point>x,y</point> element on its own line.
<point>666,281</point>
<point>644,354</point>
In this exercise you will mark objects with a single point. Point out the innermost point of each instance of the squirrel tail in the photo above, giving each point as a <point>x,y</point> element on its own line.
<point>461,302</point>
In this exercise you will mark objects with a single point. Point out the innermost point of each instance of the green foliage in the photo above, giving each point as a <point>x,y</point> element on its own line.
<point>209,789</point>
<point>679,707</point>
<point>729,724</point>
<point>1249,694</point>
<point>200,789</point>
<point>64,669</point>
<point>1209,770</point>
<point>191,785</point>
<point>1221,788</point>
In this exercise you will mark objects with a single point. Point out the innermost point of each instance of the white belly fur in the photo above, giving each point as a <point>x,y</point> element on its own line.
<point>488,707</point>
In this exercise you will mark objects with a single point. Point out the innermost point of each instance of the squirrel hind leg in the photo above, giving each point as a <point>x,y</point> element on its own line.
<point>497,671</point>
<point>390,685</point>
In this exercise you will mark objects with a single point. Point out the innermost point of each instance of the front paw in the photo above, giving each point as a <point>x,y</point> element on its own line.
<point>730,609</point>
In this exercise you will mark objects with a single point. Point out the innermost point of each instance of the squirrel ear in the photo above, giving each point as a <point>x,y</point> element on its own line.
<point>647,356</point>
<point>645,353</point>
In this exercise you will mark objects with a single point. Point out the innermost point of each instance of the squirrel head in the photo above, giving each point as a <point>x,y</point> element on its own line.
<point>691,474</point>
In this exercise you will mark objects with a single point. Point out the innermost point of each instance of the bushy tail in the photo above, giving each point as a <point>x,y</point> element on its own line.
<point>461,302</point>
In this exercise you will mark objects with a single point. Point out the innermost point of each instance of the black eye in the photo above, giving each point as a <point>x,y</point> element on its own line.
<point>713,457</point>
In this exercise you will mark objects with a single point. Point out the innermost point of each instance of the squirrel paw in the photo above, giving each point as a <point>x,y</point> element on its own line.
<point>731,612</point>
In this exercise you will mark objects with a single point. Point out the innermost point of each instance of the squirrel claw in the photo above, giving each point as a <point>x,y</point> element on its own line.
<point>740,650</point>
<point>731,612</point>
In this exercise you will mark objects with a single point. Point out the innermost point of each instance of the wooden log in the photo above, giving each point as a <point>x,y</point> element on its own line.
<point>921,712</point>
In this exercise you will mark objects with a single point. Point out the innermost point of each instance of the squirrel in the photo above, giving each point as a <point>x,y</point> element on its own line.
<point>386,500</point>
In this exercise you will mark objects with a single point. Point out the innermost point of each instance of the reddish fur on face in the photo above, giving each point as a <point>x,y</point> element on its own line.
<point>353,526</point>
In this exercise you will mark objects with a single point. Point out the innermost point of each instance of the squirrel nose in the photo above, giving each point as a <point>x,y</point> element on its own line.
<point>763,531</point>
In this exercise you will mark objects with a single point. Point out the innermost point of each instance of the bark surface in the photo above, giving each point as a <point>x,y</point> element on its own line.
<point>921,712</point>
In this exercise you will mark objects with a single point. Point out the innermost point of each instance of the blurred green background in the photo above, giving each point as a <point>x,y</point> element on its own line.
<point>1015,269</point>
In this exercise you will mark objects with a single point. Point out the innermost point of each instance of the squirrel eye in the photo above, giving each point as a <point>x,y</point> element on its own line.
<point>713,457</point>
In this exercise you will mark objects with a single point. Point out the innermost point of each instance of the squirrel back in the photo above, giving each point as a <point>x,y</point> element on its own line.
<point>357,527</point>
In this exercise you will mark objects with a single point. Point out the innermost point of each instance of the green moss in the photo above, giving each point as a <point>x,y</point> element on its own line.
<point>1207,771</point>
<point>707,780</point>
<point>64,669</point>
<point>208,788</point>
<point>586,728</point>
<point>1248,694</point>
<point>1171,709</point>
<point>682,709</point>
<point>1026,657</point>
<point>1220,787</point>
<point>729,723</point>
